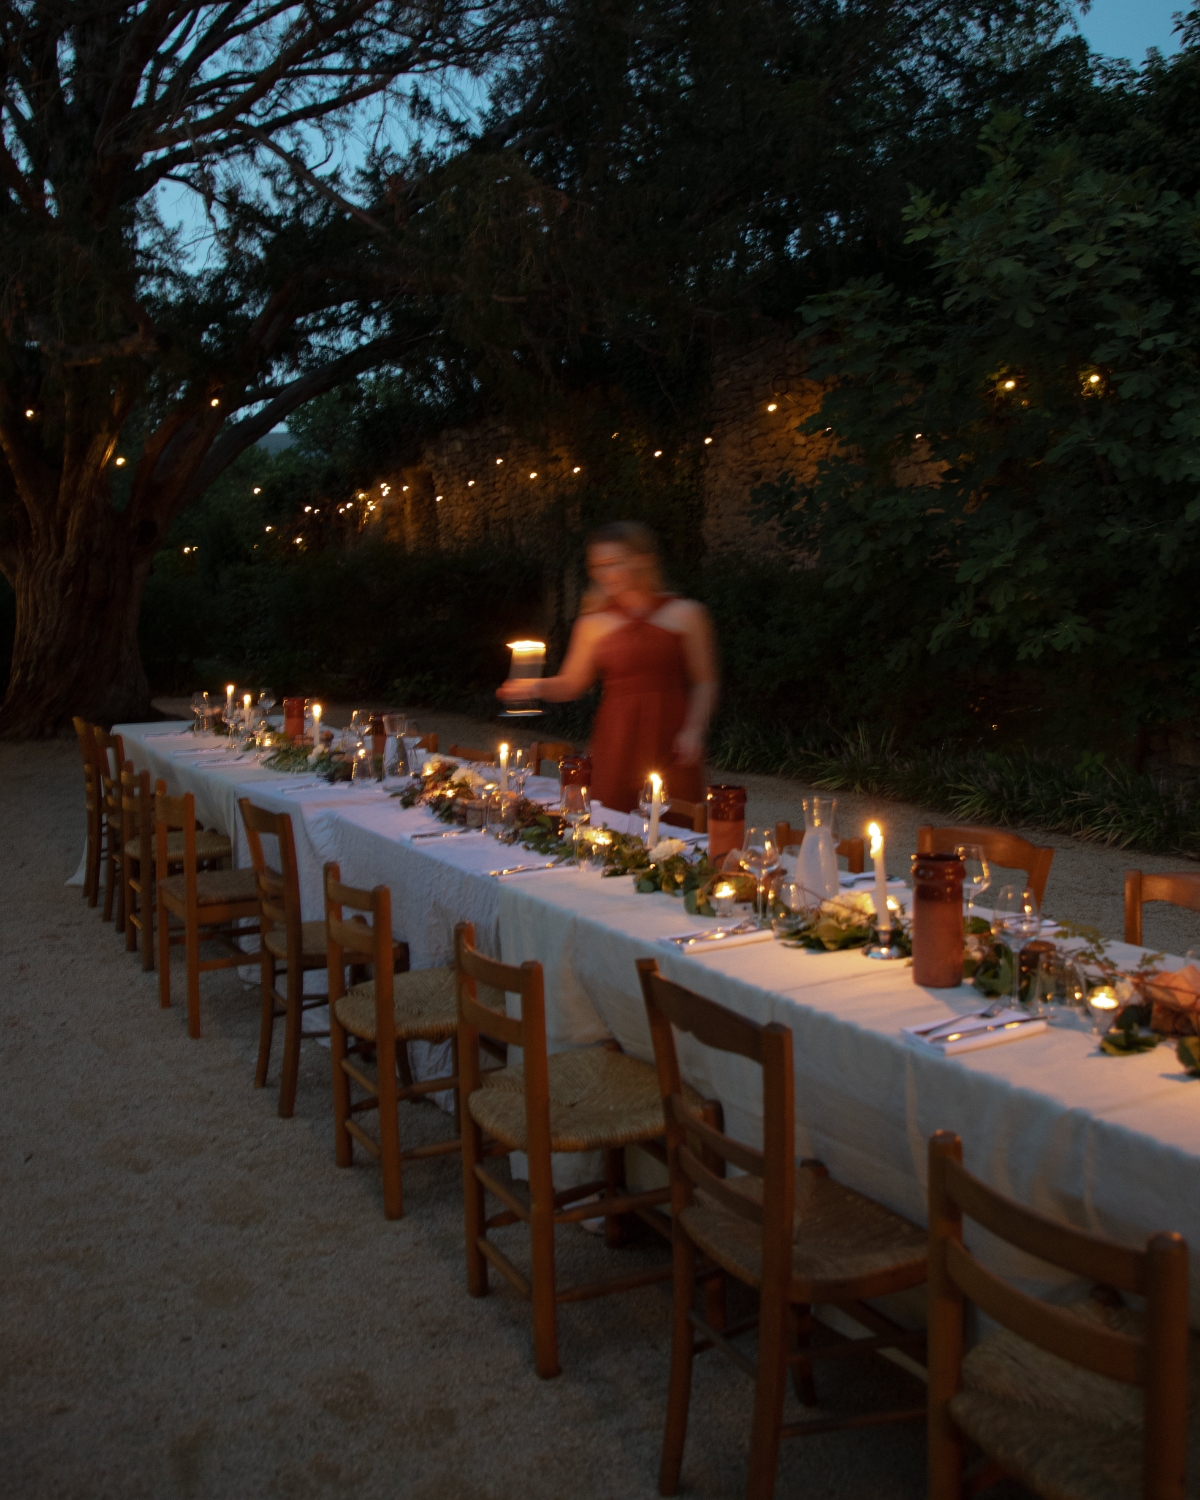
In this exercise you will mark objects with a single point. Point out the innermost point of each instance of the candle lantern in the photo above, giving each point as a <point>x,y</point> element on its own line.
<point>293,718</point>
<point>937,920</point>
<point>726,819</point>
<point>528,663</point>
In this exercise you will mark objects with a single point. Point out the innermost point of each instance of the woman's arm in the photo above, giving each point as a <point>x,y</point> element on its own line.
<point>700,653</point>
<point>572,679</point>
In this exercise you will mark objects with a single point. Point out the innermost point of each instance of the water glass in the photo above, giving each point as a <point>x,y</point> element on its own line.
<point>790,908</point>
<point>1016,918</point>
<point>411,737</point>
<point>577,810</point>
<point>200,710</point>
<point>760,856</point>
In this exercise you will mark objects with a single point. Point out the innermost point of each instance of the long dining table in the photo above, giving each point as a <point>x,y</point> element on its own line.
<point>1109,1145</point>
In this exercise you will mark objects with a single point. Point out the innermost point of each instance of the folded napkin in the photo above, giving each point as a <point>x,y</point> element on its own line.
<point>968,1033</point>
<point>704,939</point>
<point>1176,1001</point>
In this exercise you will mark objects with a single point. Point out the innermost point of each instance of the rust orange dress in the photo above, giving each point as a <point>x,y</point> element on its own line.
<point>644,674</point>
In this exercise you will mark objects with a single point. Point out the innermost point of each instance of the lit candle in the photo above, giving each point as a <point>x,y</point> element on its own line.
<point>723,897</point>
<point>655,806</point>
<point>504,768</point>
<point>883,914</point>
<point>246,704</point>
<point>316,712</point>
<point>229,686</point>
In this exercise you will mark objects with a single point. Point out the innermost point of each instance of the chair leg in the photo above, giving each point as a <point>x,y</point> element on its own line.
<point>164,956</point>
<point>191,943</point>
<point>146,905</point>
<point>389,1132</point>
<point>343,1141</point>
<point>768,1398</point>
<point>614,1184</point>
<point>266,1028</point>
<point>130,907</point>
<point>119,873</point>
<point>91,876</point>
<point>474,1207</point>
<point>545,1302</point>
<point>293,1023</point>
<point>679,1390</point>
<point>802,1374</point>
<point>110,879</point>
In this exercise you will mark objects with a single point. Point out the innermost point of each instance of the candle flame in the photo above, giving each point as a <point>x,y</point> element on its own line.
<point>246,699</point>
<point>316,712</point>
<point>723,890</point>
<point>1103,998</point>
<point>229,686</point>
<point>527,646</point>
<point>656,782</point>
<point>876,839</point>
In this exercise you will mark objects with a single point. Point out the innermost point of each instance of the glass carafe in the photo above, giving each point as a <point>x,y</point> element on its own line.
<point>817,867</point>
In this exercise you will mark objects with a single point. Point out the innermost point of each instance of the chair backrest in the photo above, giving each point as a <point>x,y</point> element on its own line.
<point>854,851</point>
<point>528,1031</point>
<point>1000,848</point>
<point>1157,1362</point>
<point>176,815</point>
<point>481,757</point>
<point>110,758</point>
<point>553,750</point>
<point>91,775</point>
<point>693,815</point>
<point>360,941</point>
<point>690,1139</point>
<point>428,742</point>
<point>137,814</point>
<point>278,890</point>
<point>1179,887</point>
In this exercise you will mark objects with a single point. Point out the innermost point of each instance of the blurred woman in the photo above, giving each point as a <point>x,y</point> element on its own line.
<point>653,653</point>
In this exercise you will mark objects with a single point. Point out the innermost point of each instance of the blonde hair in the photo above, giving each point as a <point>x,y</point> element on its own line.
<point>635,538</point>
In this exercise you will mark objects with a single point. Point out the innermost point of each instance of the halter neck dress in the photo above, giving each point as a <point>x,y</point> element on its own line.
<point>644,673</point>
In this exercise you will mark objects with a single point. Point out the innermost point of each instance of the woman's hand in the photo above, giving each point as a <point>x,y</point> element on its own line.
<point>516,689</point>
<point>688,747</point>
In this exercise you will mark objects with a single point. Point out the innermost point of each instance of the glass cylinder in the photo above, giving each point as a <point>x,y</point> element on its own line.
<point>726,819</point>
<point>575,770</point>
<point>293,718</point>
<point>937,920</point>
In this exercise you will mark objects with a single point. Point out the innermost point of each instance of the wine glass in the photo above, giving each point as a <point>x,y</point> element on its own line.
<point>199,710</point>
<point>267,700</point>
<point>794,900</point>
<point>518,771</point>
<point>646,804</point>
<point>577,810</point>
<point>760,855</point>
<point>1017,918</point>
<point>411,736</point>
<point>979,873</point>
<point>362,770</point>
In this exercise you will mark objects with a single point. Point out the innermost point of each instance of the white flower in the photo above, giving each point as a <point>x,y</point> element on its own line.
<point>666,849</point>
<point>850,905</point>
<point>465,776</point>
<point>434,764</point>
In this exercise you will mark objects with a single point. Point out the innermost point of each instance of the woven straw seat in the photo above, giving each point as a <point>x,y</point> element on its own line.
<point>213,887</point>
<point>1063,1430</point>
<point>312,939</point>
<point>597,1099</point>
<point>423,1005</point>
<point>838,1237</point>
<point>209,845</point>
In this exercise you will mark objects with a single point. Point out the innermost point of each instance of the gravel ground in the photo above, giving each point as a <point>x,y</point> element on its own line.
<point>196,1302</point>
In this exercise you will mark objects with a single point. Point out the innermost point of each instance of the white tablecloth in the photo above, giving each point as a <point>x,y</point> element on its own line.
<point>1106,1144</point>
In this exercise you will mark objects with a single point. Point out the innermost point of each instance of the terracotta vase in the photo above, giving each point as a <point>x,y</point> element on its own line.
<point>937,920</point>
<point>293,717</point>
<point>726,820</point>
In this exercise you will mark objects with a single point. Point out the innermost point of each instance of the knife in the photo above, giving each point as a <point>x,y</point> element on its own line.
<point>957,1036</point>
<point>454,833</point>
<point>524,869</point>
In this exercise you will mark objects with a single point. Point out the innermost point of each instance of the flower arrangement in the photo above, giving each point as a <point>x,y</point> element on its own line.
<point>843,921</point>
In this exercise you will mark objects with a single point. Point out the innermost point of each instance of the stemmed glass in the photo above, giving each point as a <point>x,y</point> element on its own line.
<point>518,770</point>
<point>1018,918</point>
<point>646,804</point>
<point>760,855</point>
<point>411,738</point>
<point>577,810</point>
<point>393,727</point>
<point>267,701</point>
<point>200,710</point>
<point>979,872</point>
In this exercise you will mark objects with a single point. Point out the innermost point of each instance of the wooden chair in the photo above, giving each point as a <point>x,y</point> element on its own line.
<point>1001,848</point>
<point>553,750</point>
<point>209,903</point>
<point>1180,888</point>
<point>381,1016</point>
<point>137,860</point>
<point>794,1234</point>
<point>110,761</point>
<point>853,851</point>
<point>481,757</point>
<point>589,1099</point>
<point>1061,1434</point>
<point>284,938</point>
<point>95,815</point>
<point>428,742</point>
<point>693,815</point>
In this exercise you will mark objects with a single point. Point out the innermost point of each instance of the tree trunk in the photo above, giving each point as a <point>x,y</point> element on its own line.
<point>75,648</point>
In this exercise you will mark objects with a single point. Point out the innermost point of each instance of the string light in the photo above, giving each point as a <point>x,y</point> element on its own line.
<point>916,434</point>
<point>658,452</point>
<point>575,470</point>
<point>438,498</point>
<point>307,510</point>
<point>533,473</point>
<point>385,490</point>
<point>29,411</point>
<point>214,402</point>
<point>616,434</point>
<point>120,463</point>
<point>1093,380</point>
<point>1010,385</point>
<point>707,441</point>
<point>499,460</point>
<point>269,528</point>
<point>299,540</point>
<point>772,405</point>
<point>258,489</point>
